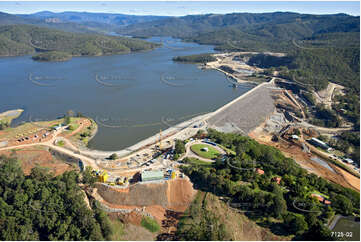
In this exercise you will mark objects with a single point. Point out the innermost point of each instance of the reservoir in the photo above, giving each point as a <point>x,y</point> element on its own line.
<point>131,96</point>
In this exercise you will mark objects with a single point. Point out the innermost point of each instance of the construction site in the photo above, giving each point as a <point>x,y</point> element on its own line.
<point>144,179</point>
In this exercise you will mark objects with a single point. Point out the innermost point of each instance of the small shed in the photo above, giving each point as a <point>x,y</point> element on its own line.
<point>277,179</point>
<point>152,175</point>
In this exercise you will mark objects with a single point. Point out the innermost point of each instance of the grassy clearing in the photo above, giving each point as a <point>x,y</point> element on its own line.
<point>85,134</point>
<point>150,224</point>
<point>320,193</point>
<point>28,128</point>
<point>229,151</point>
<point>208,211</point>
<point>195,161</point>
<point>60,143</point>
<point>73,125</point>
<point>117,229</point>
<point>212,153</point>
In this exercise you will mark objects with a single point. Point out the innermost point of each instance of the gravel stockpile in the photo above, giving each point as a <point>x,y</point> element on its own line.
<point>245,114</point>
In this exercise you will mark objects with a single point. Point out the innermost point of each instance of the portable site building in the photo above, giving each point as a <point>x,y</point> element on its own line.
<point>319,143</point>
<point>152,175</point>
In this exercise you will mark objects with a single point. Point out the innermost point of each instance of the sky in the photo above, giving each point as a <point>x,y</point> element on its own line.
<point>181,8</point>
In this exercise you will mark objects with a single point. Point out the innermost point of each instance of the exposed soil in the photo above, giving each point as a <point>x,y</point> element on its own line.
<point>351,179</point>
<point>304,160</point>
<point>32,157</point>
<point>174,194</point>
<point>165,201</point>
<point>83,124</point>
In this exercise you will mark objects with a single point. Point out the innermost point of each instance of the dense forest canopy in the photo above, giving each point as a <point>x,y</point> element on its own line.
<point>321,48</point>
<point>278,204</point>
<point>198,58</point>
<point>27,39</point>
<point>42,207</point>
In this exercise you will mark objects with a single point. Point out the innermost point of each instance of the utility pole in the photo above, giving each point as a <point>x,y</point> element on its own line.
<point>160,139</point>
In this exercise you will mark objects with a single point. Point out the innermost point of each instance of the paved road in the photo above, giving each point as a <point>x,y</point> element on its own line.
<point>190,153</point>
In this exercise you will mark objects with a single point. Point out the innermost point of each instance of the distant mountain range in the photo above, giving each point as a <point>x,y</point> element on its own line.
<point>76,21</point>
<point>246,29</point>
<point>322,47</point>
<point>85,17</point>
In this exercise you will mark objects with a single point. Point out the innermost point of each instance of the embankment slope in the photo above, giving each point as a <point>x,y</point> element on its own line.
<point>173,194</point>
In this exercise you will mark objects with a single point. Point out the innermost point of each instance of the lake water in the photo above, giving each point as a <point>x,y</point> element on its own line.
<point>132,96</point>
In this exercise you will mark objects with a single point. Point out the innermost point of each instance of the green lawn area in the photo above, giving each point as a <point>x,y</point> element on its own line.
<point>60,143</point>
<point>117,229</point>
<point>195,161</point>
<point>229,151</point>
<point>74,125</point>
<point>319,193</point>
<point>210,154</point>
<point>150,224</point>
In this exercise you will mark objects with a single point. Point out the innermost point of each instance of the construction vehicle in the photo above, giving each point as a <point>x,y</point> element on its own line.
<point>103,176</point>
<point>173,175</point>
<point>121,180</point>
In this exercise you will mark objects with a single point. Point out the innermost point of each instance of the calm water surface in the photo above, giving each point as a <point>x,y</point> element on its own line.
<point>131,96</point>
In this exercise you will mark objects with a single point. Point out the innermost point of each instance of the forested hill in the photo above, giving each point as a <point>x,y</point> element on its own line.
<point>322,48</point>
<point>279,25</point>
<point>80,22</point>
<point>27,39</point>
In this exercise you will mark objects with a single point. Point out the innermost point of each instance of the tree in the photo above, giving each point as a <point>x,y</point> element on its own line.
<point>179,147</point>
<point>43,207</point>
<point>342,204</point>
<point>88,177</point>
<point>280,205</point>
<point>67,120</point>
<point>296,223</point>
<point>113,156</point>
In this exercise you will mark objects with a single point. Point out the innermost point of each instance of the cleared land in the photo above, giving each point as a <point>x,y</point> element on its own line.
<point>212,153</point>
<point>173,194</point>
<point>38,157</point>
<point>304,160</point>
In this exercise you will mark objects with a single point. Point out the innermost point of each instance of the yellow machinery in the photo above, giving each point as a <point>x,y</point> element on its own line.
<point>103,176</point>
<point>173,175</point>
<point>121,180</point>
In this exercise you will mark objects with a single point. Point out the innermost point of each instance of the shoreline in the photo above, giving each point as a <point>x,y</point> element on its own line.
<point>167,133</point>
<point>174,130</point>
<point>8,116</point>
